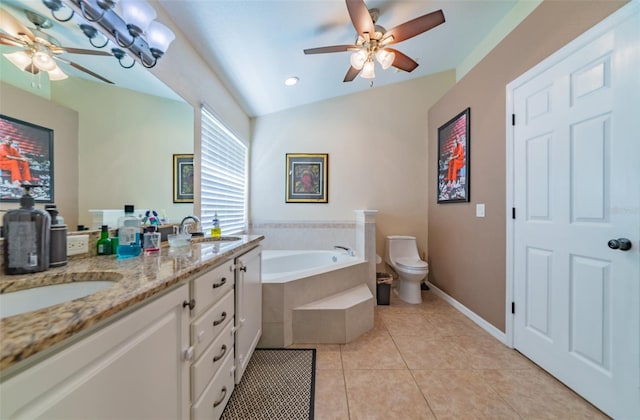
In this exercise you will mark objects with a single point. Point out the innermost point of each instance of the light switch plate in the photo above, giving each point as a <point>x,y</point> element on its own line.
<point>480,210</point>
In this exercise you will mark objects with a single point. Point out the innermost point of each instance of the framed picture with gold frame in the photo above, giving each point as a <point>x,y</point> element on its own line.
<point>307,178</point>
<point>183,178</point>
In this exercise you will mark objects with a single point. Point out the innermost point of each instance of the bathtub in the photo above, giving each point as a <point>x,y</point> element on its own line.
<point>285,266</point>
<point>291,279</point>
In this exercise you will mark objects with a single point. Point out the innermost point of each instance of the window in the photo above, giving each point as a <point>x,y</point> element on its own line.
<point>223,177</point>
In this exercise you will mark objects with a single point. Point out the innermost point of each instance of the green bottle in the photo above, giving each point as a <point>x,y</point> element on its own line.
<point>104,243</point>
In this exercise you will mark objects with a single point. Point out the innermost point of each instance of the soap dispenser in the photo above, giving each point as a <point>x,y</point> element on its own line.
<point>58,237</point>
<point>26,237</point>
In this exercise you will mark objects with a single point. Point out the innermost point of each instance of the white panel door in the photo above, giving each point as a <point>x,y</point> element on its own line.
<point>576,186</point>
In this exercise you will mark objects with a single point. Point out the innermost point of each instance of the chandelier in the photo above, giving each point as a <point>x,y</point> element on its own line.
<point>363,58</point>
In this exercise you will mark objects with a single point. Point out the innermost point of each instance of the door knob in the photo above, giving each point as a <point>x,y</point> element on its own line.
<point>623,244</point>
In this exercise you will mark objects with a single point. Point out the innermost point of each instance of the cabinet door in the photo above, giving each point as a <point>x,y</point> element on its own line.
<point>132,368</point>
<point>248,307</point>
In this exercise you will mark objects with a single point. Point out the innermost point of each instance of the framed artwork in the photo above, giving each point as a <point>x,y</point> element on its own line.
<point>183,178</point>
<point>307,178</point>
<point>453,159</point>
<point>26,158</point>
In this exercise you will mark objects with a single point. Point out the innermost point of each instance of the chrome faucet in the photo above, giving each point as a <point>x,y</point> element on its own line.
<point>196,221</point>
<point>349,251</point>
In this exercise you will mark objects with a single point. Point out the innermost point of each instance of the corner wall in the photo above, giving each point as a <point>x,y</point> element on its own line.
<point>467,254</point>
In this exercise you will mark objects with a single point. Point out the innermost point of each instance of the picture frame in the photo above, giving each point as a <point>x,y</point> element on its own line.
<point>183,172</point>
<point>307,178</point>
<point>453,159</point>
<point>26,158</point>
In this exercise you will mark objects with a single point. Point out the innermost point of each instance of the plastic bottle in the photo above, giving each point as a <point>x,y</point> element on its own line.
<point>151,243</point>
<point>104,243</point>
<point>215,229</point>
<point>26,236</point>
<point>128,234</point>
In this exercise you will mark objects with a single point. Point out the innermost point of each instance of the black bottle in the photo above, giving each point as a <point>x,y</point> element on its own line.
<point>26,237</point>
<point>58,238</point>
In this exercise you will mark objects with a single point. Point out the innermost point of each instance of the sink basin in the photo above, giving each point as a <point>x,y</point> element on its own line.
<point>28,300</point>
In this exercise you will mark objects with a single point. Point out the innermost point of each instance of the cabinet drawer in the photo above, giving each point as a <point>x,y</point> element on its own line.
<point>206,366</point>
<point>215,396</point>
<point>211,323</point>
<point>211,286</point>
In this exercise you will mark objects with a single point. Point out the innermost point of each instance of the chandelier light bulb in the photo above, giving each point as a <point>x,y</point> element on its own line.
<point>358,59</point>
<point>137,14</point>
<point>57,74</point>
<point>385,58</point>
<point>368,70</point>
<point>20,59</point>
<point>159,36</point>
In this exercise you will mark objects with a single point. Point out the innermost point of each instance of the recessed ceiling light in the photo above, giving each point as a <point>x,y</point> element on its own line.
<point>291,81</point>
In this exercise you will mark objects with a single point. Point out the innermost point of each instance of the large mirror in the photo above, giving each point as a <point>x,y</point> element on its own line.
<point>113,143</point>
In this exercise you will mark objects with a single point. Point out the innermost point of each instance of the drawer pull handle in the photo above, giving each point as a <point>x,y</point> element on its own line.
<point>190,303</point>
<point>224,394</point>
<point>222,282</point>
<point>221,320</point>
<point>218,357</point>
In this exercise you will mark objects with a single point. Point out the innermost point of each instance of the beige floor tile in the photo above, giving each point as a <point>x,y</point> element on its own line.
<point>461,394</point>
<point>408,324</point>
<point>485,352</point>
<point>330,396</point>
<point>385,394</point>
<point>327,355</point>
<point>373,350</point>
<point>536,395</point>
<point>436,353</point>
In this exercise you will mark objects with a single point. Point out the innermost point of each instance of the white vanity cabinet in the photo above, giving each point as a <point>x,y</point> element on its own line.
<point>131,368</point>
<point>226,323</point>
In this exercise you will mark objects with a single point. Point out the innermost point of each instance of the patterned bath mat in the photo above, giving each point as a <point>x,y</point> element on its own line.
<point>277,384</point>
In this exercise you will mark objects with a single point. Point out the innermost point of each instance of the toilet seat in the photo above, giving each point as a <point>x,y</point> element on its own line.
<point>411,264</point>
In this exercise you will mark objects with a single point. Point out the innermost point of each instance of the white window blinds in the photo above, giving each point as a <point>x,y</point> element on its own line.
<point>223,177</point>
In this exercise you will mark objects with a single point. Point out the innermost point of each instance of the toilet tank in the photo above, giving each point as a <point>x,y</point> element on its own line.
<point>400,247</point>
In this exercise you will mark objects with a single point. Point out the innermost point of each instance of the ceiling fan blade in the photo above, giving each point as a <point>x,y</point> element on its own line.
<point>402,61</point>
<point>331,49</point>
<point>11,41</point>
<point>351,74</point>
<point>83,69</point>
<point>12,26</point>
<point>82,51</point>
<point>413,27</point>
<point>360,17</point>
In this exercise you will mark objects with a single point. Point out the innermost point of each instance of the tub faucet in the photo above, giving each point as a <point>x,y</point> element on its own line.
<point>194,218</point>
<point>349,251</point>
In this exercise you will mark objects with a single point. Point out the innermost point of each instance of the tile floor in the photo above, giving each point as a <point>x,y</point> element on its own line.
<point>429,361</point>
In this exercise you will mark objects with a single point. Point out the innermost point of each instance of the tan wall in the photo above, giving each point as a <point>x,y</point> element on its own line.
<point>63,121</point>
<point>467,254</point>
<point>377,146</point>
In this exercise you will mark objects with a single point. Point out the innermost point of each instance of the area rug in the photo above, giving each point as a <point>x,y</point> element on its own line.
<point>277,384</point>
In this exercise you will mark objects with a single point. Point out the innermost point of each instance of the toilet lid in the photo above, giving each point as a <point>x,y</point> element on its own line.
<point>411,263</point>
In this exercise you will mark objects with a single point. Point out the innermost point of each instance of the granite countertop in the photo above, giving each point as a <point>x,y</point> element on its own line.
<point>137,279</point>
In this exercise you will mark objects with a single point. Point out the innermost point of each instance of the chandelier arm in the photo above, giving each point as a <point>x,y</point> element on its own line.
<point>53,13</point>
<point>86,16</point>
<point>117,37</point>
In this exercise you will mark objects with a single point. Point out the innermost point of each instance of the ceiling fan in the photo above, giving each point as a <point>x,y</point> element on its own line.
<point>373,41</point>
<point>40,51</point>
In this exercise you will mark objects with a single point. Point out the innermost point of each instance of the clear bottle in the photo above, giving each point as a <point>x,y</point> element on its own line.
<point>104,243</point>
<point>26,237</point>
<point>128,234</point>
<point>215,229</point>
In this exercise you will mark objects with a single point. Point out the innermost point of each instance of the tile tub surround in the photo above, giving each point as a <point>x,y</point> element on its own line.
<point>304,235</point>
<point>25,335</point>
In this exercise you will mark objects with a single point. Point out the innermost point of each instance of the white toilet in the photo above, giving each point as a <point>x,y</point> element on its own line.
<point>401,253</point>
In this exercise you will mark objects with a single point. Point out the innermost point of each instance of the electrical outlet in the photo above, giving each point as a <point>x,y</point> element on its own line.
<point>77,244</point>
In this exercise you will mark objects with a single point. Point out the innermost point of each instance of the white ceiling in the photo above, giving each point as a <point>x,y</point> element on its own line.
<point>254,45</point>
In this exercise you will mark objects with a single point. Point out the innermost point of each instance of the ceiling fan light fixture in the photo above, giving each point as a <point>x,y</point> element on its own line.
<point>57,74</point>
<point>368,70</point>
<point>358,59</point>
<point>385,58</point>
<point>44,61</point>
<point>20,59</point>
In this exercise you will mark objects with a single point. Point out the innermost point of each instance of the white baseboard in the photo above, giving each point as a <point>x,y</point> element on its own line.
<point>496,333</point>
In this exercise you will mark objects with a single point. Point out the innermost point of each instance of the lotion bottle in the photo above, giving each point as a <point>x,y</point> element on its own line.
<point>26,237</point>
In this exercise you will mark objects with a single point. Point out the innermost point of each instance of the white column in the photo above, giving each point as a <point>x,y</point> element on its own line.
<point>366,243</point>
